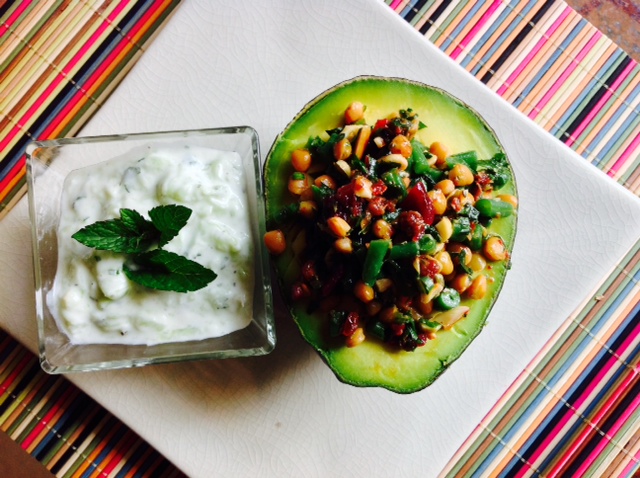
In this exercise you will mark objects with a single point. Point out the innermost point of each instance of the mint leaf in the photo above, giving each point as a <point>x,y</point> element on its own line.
<point>164,270</point>
<point>118,235</point>
<point>134,220</point>
<point>169,220</point>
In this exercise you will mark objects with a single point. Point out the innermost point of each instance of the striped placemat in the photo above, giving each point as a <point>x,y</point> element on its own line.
<point>552,65</point>
<point>576,405</point>
<point>68,432</point>
<point>59,60</point>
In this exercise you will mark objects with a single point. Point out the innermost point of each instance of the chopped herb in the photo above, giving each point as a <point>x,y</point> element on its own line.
<point>497,168</point>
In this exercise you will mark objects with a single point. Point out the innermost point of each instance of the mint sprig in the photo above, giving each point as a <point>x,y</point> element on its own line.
<point>164,270</point>
<point>142,239</point>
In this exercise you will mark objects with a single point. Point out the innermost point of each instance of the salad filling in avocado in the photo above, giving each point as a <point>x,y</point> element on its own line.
<point>388,241</point>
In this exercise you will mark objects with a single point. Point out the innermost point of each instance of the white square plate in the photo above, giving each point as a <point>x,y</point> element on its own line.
<point>257,63</point>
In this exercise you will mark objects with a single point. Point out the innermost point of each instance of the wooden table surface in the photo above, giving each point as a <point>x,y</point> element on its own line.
<point>618,19</point>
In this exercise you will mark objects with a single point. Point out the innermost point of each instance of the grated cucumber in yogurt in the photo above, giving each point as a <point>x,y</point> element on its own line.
<point>94,302</point>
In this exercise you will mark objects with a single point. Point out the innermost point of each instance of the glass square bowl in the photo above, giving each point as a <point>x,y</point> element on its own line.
<point>48,164</point>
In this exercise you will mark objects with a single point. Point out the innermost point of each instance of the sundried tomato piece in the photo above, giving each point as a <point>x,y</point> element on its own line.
<point>350,324</point>
<point>418,200</point>
<point>412,224</point>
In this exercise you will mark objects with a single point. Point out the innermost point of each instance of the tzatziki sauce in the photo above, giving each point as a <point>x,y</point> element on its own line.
<point>93,301</point>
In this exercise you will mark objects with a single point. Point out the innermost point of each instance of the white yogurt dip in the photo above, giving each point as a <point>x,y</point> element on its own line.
<point>94,302</point>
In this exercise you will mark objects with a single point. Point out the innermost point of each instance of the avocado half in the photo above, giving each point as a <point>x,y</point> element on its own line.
<point>448,120</point>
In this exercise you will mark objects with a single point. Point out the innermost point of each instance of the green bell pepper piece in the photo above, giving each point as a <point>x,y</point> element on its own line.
<point>493,208</point>
<point>427,244</point>
<point>419,162</point>
<point>461,229</point>
<point>477,238</point>
<point>394,182</point>
<point>405,250</point>
<point>426,284</point>
<point>448,299</point>
<point>374,259</point>
<point>468,158</point>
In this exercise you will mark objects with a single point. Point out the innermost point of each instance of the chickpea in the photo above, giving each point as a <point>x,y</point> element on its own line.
<point>494,249</point>
<point>446,186</point>
<point>382,285</point>
<point>477,262</point>
<point>401,145</point>
<point>342,149</point>
<point>343,245</point>
<point>354,113</point>
<point>338,226</point>
<point>444,228</point>
<point>461,282</point>
<point>363,292</point>
<point>373,307</point>
<point>425,308</point>
<point>461,175</point>
<point>275,242</point>
<point>460,198</point>
<point>439,201</point>
<point>478,288</point>
<point>382,229</point>
<point>388,314</point>
<point>462,251</point>
<point>306,195</point>
<point>299,183</point>
<point>301,160</point>
<point>362,187</point>
<point>325,180</point>
<point>356,338</point>
<point>445,261</point>
<point>343,167</point>
<point>440,151</point>
<point>308,209</point>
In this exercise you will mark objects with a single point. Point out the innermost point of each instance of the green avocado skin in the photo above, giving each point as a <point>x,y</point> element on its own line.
<point>448,120</point>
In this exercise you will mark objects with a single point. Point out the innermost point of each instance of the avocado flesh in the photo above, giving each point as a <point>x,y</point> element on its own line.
<point>449,121</point>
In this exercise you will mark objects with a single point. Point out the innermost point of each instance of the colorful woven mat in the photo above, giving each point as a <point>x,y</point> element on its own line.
<point>574,411</point>
<point>59,60</point>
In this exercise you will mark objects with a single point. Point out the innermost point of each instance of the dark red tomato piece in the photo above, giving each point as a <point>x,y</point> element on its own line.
<point>397,329</point>
<point>429,267</point>
<point>378,188</point>
<point>418,200</point>
<point>381,124</point>
<point>350,324</point>
<point>333,280</point>
<point>349,204</point>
